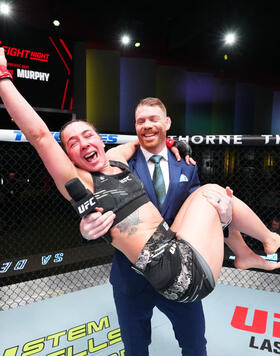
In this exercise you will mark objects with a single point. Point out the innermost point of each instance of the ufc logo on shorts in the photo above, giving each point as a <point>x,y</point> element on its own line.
<point>172,249</point>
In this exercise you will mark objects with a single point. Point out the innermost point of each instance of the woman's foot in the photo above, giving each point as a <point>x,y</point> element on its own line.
<point>253,260</point>
<point>273,245</point>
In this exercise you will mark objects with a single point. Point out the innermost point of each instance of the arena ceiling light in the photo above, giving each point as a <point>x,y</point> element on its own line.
<point>56,23</point>
<point>5,9</point>
<point>230,39</point>
<point>125,40</point>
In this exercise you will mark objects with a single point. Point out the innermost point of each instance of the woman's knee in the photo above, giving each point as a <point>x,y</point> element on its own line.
<point>213,187</point>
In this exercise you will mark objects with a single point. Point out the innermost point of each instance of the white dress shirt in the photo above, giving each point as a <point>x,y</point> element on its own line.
<point>163,164</point>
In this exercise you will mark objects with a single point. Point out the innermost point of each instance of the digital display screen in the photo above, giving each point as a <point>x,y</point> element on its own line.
<point>40,261</point>
<point>41,66</point>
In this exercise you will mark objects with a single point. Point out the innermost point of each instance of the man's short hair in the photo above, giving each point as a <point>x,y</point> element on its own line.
<point>150,101</point>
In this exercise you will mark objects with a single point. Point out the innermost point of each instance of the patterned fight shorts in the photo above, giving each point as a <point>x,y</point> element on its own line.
<point>174,268</point>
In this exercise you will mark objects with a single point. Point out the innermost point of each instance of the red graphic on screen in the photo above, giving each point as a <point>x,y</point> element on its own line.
<point>62,52</point>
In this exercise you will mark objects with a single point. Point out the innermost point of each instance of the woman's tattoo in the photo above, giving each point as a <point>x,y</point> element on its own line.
<point>129,224</point>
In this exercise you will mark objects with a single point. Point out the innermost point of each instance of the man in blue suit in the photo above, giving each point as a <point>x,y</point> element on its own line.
<point>134,297</point>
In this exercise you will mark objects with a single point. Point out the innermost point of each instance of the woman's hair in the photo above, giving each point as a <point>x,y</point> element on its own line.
<point>63,127</point>
<point>152,102</point>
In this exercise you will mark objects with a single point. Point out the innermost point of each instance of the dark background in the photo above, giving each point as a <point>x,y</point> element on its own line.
<point>189,33</point>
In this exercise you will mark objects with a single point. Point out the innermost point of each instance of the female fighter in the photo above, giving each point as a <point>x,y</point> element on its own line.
<point>182,262</point>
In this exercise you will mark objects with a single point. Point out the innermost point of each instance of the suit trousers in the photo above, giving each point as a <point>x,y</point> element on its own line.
<point>135,313</point>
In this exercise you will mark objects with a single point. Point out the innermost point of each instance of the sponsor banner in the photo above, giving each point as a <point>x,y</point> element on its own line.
<point>15,266</point>
<point>220,140</point>
<point>18,136</point>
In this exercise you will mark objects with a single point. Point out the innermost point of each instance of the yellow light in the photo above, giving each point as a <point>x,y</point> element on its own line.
<point>225,57</point>
<point>226,162</point>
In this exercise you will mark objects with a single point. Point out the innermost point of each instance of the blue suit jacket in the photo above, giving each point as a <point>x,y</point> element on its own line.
<point>183,181</point>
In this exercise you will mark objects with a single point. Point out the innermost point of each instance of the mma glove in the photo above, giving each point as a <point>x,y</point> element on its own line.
<point>183,147</point>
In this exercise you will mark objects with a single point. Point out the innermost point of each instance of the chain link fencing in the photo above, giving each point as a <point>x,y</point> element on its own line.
<point>42,253</point>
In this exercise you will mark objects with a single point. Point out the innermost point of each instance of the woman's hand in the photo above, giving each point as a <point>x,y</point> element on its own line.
<point>95,225</point>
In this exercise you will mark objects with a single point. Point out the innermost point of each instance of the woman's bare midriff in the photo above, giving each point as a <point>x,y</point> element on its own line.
<point>131,234</point>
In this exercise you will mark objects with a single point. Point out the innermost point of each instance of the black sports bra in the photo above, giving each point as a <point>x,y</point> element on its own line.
<point>122,193</point>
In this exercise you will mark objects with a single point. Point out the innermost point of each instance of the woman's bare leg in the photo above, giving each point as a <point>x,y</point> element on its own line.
<point>244,257</point>
<point>245,220</point>
<point>198,222</point>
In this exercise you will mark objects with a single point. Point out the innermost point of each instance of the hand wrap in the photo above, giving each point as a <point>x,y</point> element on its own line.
<point>4,73</point>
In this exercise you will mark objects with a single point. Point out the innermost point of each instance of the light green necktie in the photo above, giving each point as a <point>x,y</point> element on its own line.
<point>158,179</point>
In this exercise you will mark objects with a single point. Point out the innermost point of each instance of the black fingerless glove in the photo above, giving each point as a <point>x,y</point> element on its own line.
<point>183,147</point>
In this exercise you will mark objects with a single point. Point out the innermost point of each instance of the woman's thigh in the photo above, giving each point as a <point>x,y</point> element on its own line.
<point>198,222</point>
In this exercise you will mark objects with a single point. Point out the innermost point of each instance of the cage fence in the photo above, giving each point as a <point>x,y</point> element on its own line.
<point>42,253</point>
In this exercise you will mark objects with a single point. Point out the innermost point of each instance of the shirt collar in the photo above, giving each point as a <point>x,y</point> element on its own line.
<point>148,154</point>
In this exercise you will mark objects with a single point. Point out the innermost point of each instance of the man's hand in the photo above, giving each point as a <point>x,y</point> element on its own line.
<point>188,159</point>
<point>222,201</point>
<point>95,225</point>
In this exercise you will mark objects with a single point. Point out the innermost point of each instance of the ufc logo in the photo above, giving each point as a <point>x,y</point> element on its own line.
<point>84,207</point>
<point>126,179</point>
<point>259,323</point>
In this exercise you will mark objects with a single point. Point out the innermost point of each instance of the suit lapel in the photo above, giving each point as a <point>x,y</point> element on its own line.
<point>175,170</point>
<point>139,166</point>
